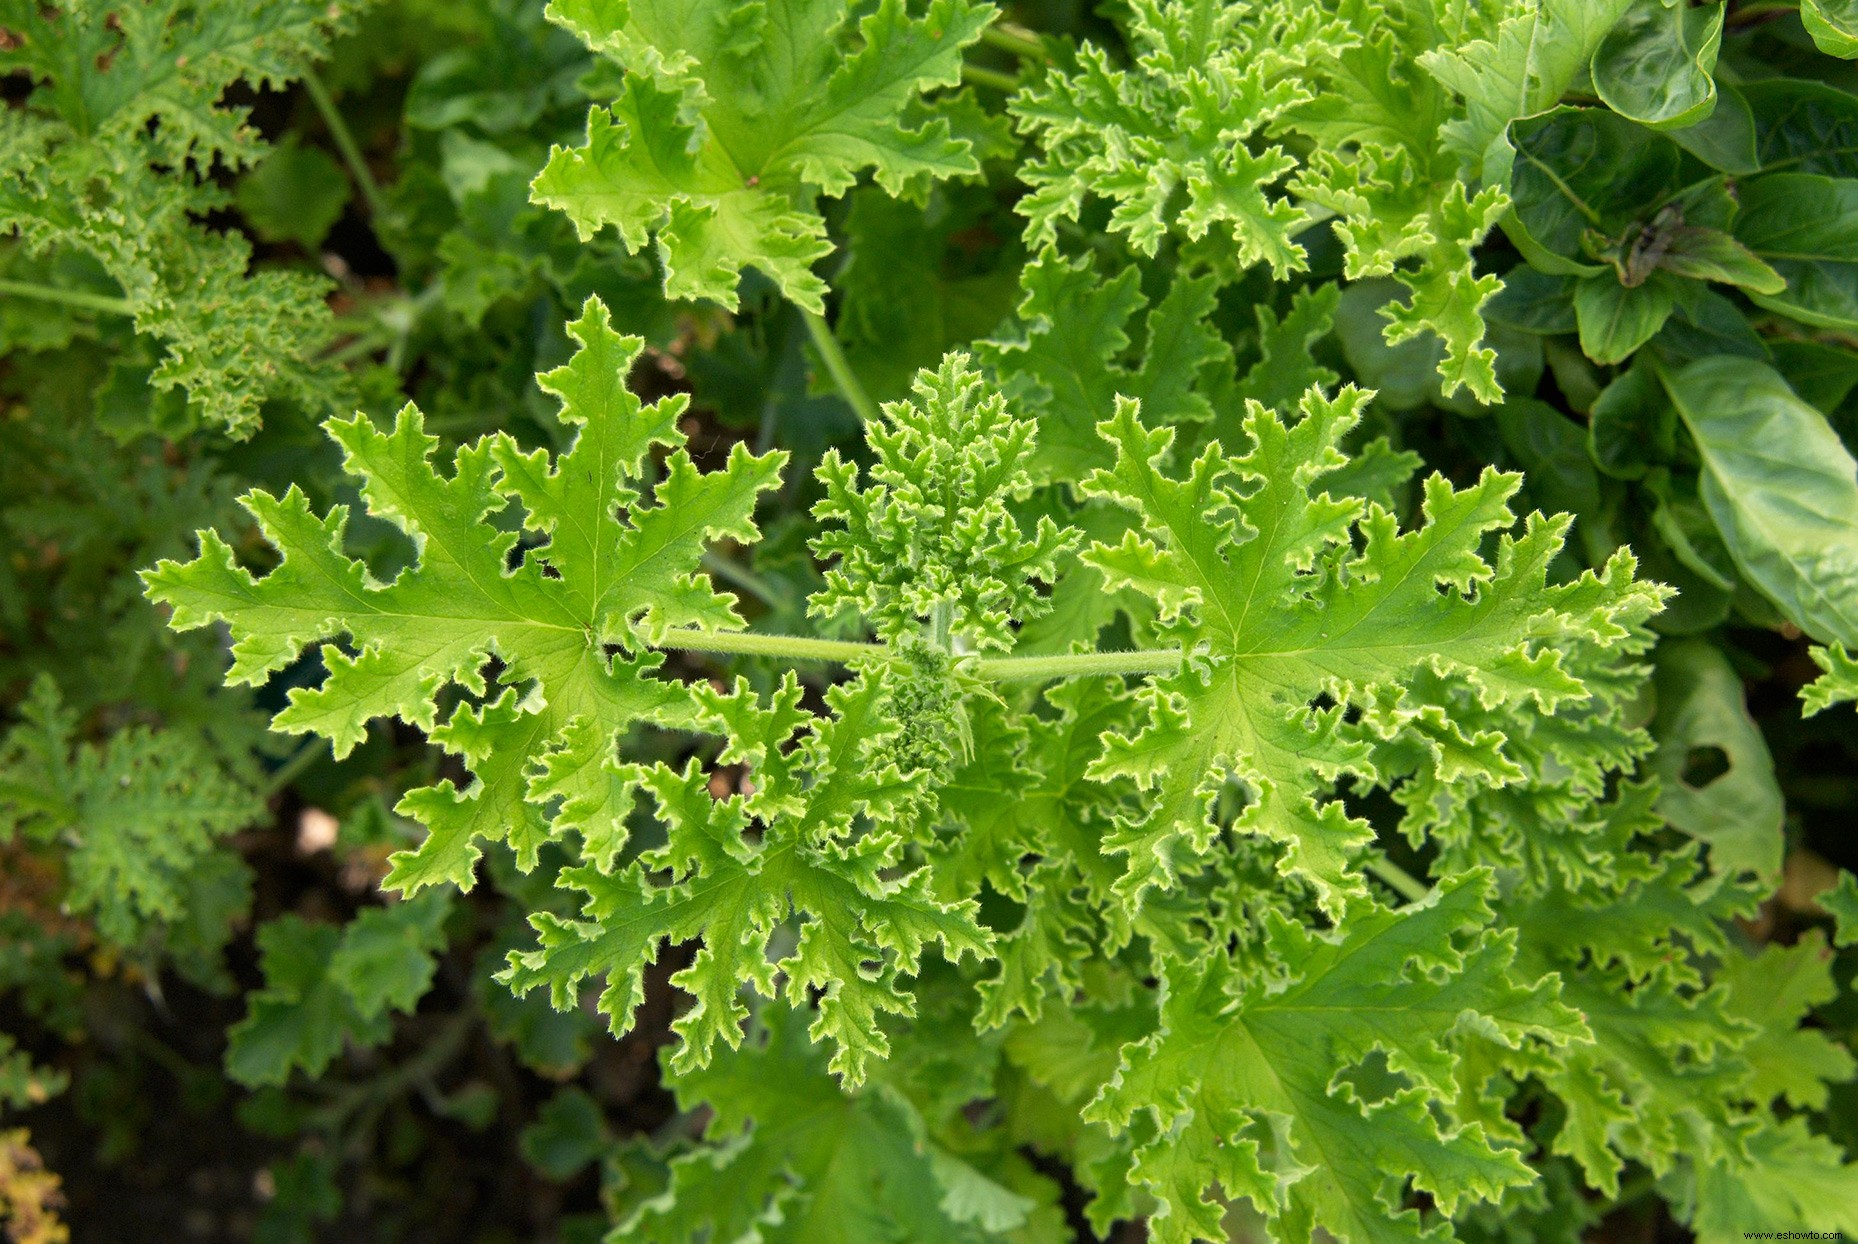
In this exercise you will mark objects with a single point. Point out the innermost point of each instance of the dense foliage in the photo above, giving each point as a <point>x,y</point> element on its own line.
<point>887,620</point>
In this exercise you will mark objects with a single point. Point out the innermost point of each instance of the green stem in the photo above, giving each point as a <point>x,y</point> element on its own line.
<point>70,297</point>
<point>1409,887</point>
<point>841,371</point>
<point>292,769</point>
<point>1076,665</point>
<point>786,647</point>
<point>1014,39</point>
<point>989,77</point>
<point>993,669</point>
<point>346,144</point>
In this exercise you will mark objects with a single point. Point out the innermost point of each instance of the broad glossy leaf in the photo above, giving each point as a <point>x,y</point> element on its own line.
<point>1656,65</point>
<point>1804,127</point>
<point>1582,169</point>
<point>1806,228</point>
<point>1735,807</point>
<point>1782,488</point>
<point>1833,25</point>
<point>1616,319</point>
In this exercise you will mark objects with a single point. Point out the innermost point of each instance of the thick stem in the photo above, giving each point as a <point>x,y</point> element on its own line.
<point>784,647</point>
<point>1076,665</point>
<point>1015,39</point>
<point>69,297</point>
<point>346,144</point>
<point>1397,878</point>
<point>836,365</point>
<point>992,669</point>
<point>978,76</point>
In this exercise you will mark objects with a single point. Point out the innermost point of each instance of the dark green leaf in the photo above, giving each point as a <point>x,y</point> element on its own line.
<point>1806,228</point>
<point>1617,319</point>
<point>1782,489</point>
<point>295,195</point>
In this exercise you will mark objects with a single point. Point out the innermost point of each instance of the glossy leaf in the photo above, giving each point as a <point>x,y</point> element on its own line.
<point>1782,488</point>
<point>1657,65</point>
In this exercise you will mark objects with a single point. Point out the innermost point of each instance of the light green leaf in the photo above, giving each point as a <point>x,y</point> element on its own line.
<point>1286,595</point>
<point>1702,718</point>
<point>1247,1080</point>
<point>1782,488</point>
<point>862,928</point>
<point>1616,319</point>
<point>734,119</point>
<point>928,533</point>
<point>1833,25</point>
<point>1525,67</point>
<point>1837,682</point>
<point>612,570</point>
<point>1656,65</point>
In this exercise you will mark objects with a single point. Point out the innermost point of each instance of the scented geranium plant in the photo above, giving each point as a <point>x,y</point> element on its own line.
<point>1219,620</point>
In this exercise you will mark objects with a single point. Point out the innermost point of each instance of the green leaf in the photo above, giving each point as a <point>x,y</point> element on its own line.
<point>1615,320</point>
<point>1804,126</point>
<point>1247,1081</point>
<point>109,155</point>
<point>1531,59</point>
<point>1837,682</point>
<point>294,195</point>
<point>1782,489</point>
<point>1833,25</point>
<point>612,570</point>
<point>1065,357</point>
<point>793,1160</point>
<point>862,931</point>
<point>928,534</point>
<point>1579,170</point>
<point>1774,991</point>
<point>1841,902</point>
<point>1175,124</point>
<point>1702,717</point>
<point>1656,65</point>
<point>326,986</point>
<point>1286,595</point>
<point>733,120</point>
<point>567,1135</point>
<point>138,815</point>
<point>1806,228</point>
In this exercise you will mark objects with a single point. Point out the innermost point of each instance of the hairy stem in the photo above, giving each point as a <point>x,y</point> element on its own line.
<point>1397,878</point>
<point>1076,665</point>
<point>784,647</point>
<point>69,297</point>
<point>836,365</point>
<point>993,669</point>
<point>346,144</point>
<point>978,76</point>
<point>1014,39</point>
